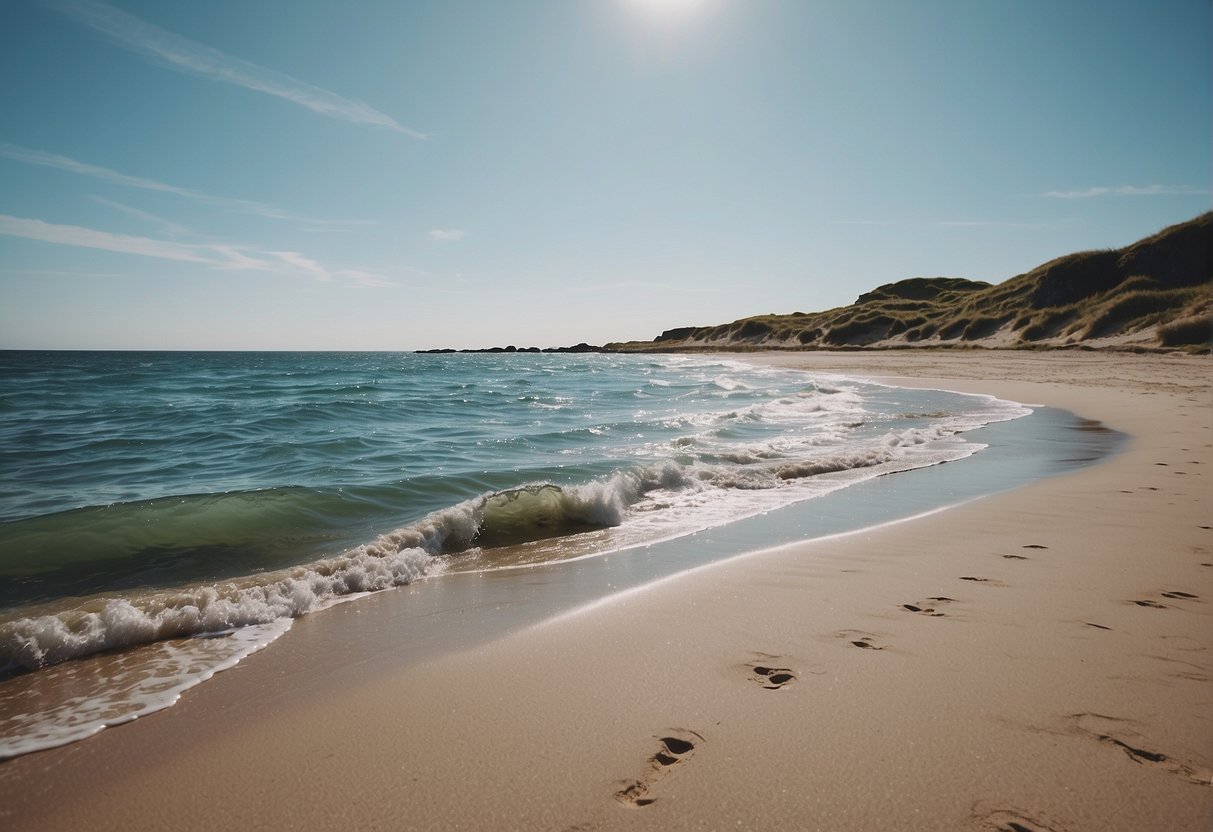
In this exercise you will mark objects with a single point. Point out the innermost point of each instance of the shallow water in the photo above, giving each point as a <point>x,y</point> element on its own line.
<point>159,497</point>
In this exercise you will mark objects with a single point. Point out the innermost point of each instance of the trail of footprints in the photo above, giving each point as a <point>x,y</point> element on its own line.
<point>930,607</point>
<point>678,745</point>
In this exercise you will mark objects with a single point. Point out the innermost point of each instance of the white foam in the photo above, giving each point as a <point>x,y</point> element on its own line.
<point>109,623</point>
<point>78,699</point>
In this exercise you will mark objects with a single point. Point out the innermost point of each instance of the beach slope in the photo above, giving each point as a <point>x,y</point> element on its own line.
<point>1040,660</point>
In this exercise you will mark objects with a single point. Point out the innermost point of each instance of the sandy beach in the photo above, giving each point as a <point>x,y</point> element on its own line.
<point>1036,661</point>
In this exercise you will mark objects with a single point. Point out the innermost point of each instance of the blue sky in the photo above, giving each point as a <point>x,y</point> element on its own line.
<point>400,175</point>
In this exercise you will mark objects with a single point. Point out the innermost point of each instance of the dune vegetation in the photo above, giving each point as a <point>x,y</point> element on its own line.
<point>1153,294</point>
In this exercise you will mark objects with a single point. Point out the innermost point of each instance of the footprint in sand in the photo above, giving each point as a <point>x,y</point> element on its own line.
<point>928,607</point>
<point>771,678</point>
<point>1118,733</point>
<point>1015,557</point>
<point>677,746</point>
<point>1035,546</point>
<point>1012,820</point>
<point>860,639</point>
<point>986,581</point>
<point>1175,593</point>
<point>771,671</point>
<point>1148,603</point>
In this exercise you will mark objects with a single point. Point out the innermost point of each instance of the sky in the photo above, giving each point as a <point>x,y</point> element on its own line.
<point>385,175</point>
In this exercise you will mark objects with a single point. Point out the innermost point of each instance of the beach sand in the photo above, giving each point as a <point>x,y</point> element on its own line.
<point>1037,660</point>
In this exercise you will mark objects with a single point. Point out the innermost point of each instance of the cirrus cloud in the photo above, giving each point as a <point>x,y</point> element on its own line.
<point>41,158</point>
<point>193,58</point>
<point>223,256</point>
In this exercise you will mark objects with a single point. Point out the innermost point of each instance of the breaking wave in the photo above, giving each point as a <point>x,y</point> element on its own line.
<point>511,517</point>
<point>135,525</point>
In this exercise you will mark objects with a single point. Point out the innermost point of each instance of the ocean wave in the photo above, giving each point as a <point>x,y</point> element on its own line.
<point>818,434</point>
<point>503,518</point>
<point>109,623</point>
<point>510,517</point>
<point>729,384</point>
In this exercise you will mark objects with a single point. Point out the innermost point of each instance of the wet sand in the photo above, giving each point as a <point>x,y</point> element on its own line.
<point>1037,660</point>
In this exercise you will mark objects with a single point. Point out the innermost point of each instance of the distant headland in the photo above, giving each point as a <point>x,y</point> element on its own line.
<point>1151,295</point>
<point>583,347</point>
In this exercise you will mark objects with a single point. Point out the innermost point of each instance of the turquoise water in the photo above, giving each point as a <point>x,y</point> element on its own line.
<point>195,503</point>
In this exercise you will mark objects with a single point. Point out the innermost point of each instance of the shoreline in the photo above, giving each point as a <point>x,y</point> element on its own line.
<point>1018,449</point>
<point>1029,699</point>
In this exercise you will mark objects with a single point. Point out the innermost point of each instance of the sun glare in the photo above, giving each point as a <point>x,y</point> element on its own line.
<point>667,8</point>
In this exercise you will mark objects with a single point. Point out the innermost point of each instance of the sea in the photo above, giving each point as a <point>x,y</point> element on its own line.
<point>165,515</point>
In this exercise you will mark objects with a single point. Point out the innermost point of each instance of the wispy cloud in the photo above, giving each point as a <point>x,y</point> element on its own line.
<point>302,264</point>
<point>167,226</point>
<point>51,160</point>
<point>223,256</point>
<point>75,235</point>
<point>1128,190</point>
<point>193,58</point>
<point>447,235</point>
<point>244,206</point>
